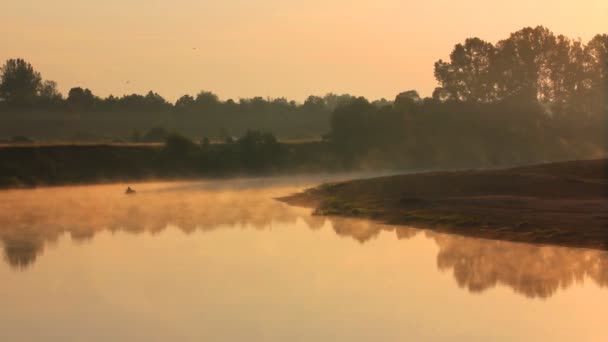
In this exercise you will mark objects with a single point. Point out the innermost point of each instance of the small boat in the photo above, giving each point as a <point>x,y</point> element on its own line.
<point>129,191</point>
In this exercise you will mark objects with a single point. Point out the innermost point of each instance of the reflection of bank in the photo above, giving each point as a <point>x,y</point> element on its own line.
<point>21,253</point>
<point>480,264</point>
<point>532,270</point>
<point>33,218</point>
<point>366,230</point>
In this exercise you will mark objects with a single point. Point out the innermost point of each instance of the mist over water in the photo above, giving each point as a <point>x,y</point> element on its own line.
<point>199,260</point>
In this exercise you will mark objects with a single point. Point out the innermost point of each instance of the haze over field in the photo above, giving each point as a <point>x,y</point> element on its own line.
<point>270,48</point>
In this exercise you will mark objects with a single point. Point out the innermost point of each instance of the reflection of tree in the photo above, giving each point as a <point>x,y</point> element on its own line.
<point>81,236</point>
<point>313,222</point>
<point>29,219</point>
<point>360,230</point>
<point>478,264</point>
<point>404,233</point>
<point>532,270</point>
<point>20,253</point>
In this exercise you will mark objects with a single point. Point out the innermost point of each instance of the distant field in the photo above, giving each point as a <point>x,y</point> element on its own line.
<point>300,141</point>
<point>51,144</point>
<point>127,144</point>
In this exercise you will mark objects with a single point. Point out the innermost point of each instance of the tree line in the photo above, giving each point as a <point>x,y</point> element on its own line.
<point>532,64</point>
<point>534,96</point>
<point>33,106</point>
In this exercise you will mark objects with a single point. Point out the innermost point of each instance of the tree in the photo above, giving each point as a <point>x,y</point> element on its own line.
<point>178,146</point>
<point>80,98</point>
<point>19,82</point>
<point>468,74</point>
<point>407,100</point>
<point>48,91</point>
<point>313,103</point>
<point>351,128</point>
<point>184,103</point>
<point>257,150</point>
<point>596,52</point>
<point>206,99</point>
<point>522,64</point>
<point>565,81</point>
<point>332,101</point>
<point>154,101</point>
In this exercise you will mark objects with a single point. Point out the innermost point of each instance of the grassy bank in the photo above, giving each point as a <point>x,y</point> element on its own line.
<point>560,203</point>
<point>43,165</point>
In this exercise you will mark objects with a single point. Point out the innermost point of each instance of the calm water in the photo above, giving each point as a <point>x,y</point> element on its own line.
<point>223,261</point>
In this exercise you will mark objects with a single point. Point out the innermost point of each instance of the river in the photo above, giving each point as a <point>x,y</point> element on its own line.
<point>224,261</point>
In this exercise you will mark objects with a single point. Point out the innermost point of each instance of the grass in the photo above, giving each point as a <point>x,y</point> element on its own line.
<point>560,203</point>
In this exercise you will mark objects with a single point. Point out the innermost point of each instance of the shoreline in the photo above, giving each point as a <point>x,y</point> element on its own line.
<point>563,203</point>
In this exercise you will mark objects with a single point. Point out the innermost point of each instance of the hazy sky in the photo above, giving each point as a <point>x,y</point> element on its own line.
<point>243,48</point>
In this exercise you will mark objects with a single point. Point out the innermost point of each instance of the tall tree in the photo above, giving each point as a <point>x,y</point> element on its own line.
<point>19,82</point>
<point>596,52</point>
<point>80,98</point>
<point>48,91</point>
<point>522,64</point>
<point>468,74</point>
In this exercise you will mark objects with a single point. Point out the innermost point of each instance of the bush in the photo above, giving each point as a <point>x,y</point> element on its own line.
<point>179,146</point>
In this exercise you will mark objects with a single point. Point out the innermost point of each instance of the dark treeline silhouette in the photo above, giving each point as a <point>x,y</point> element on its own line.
<point>534,96</point>
<point>254,153</point>
<point>32,107</point>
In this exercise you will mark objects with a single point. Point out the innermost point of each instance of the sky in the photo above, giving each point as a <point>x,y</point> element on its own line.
<point>269,48</point>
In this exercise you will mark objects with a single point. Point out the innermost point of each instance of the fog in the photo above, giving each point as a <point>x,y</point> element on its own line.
<point>32,221</point>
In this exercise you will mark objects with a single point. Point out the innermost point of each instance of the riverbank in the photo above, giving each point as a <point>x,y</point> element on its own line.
<point>27,166</point>
<point>559,203</point>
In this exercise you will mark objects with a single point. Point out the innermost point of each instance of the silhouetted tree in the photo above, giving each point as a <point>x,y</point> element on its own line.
<point>468,76</point>
<point>22,252</point>
<point>178,146</point>
<point>407,100</point>
<point>49,91</point>
<point>258,151</point>
<point>184,102</point>
<point>79,98</point>
<point>19,82</point>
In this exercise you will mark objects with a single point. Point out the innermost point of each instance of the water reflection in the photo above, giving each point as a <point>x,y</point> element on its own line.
<point>479,264</point>
<point>31,219</point>
<point>535,271</point>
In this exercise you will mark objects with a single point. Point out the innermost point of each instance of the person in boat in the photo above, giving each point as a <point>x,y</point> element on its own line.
<point>129,191</point>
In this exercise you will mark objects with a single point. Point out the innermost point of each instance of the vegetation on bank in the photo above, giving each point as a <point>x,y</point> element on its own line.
<point>254,153</point>
<point>532,97</point>
<point>179,157</point>
<point>560,203</point>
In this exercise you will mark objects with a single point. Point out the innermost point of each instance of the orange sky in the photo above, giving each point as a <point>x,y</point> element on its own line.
<point>244,48</point>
